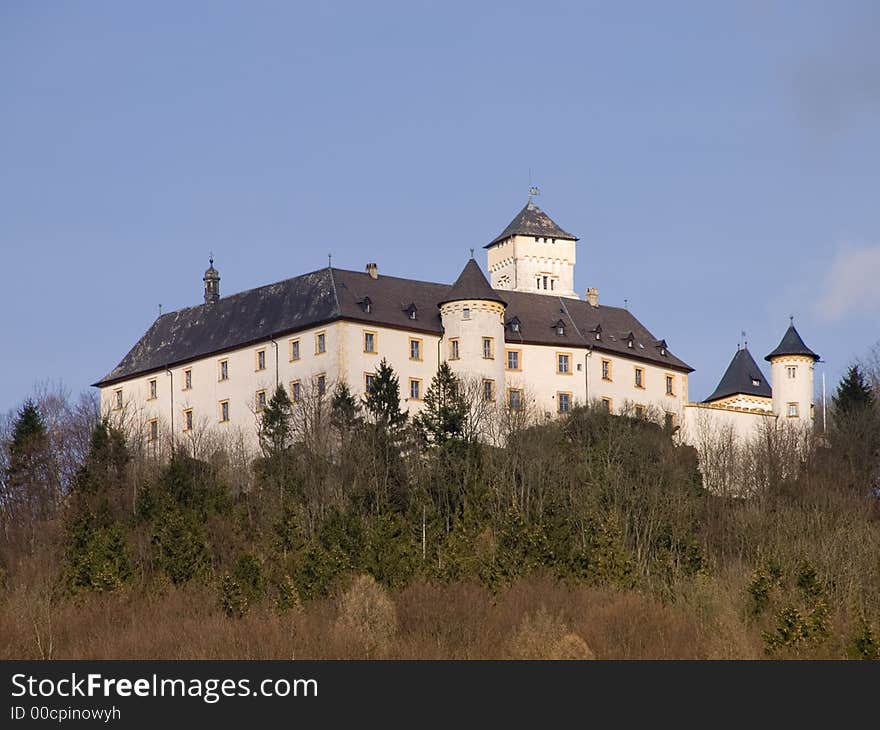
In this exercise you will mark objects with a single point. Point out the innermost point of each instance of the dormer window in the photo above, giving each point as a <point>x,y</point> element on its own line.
<point>661,345</point>
<point>515,325</point>
<point>560,328</point>
<point>597,332</point>
<point>411,311</point>
<point>630,341</point>
<point>756,382</point>
<point>366,305</point>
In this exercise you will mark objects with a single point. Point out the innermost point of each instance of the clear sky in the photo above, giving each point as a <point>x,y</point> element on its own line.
<point>718,161</point>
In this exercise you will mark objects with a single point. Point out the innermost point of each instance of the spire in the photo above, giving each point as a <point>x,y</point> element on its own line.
<point>471,284</point>
<point>742,377</point>
<point>212,282</point>
<point>791,344</point>
<point>532,221</point>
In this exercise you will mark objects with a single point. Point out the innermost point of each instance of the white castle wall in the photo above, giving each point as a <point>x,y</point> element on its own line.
<point>519,261</point>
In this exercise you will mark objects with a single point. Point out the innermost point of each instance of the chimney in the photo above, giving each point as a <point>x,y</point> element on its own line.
<point>592,296</point>
<point>373,270</point>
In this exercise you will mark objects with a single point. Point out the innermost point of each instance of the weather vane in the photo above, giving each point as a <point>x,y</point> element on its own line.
<point>533,191</point>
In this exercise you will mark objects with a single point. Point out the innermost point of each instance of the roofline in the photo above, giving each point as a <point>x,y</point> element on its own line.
<point>500,239</point>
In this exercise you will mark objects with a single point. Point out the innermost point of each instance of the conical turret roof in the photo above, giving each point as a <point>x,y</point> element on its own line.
<point>791,344</point>
<point>742,377</point>
<point>471,284</point>
<point>532,221</point>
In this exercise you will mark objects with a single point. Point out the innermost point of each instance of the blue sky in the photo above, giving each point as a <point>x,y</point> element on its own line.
<point>719,162</point>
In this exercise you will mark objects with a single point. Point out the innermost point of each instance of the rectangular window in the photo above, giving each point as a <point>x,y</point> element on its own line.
<point>415,349</point>
<point>415,389</point>
<point>294,350</point>
<point>296,391</point>
<point>322,384</point>
<point>563,402</point>
<point>488,348</point>
<point>261,360</point>
<point>153,433</point>
<point>117,399</point>
<point>466,313</point>
<point>320,343</point>
<point>608,404</point>
<point>187,379</point>
<point>370,342</point>
<point>224,411</point>
<point>670,380</point>
<point>152,390</point>
<point>369,380</point>
<point>640,412</point>
<point>188,419</point>
<point>513,359</point>
<point>792,410</point>
<point>606,369</point>
<point>453,350</point>
<point>261,400</point>
<point>488,390</point>
<point>792,371</point>
<point>224,370</point>
<point>514,399</point>
<point>563,363</point>
<point>640,377</point>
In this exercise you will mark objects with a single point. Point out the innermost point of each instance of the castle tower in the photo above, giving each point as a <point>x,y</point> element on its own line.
<point>473,330</point>
<point>212,283</point>
<point>533,254</point>
<point>791,372</point>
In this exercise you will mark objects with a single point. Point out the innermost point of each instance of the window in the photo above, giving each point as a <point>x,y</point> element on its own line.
<point>188,420</point>
<point>544,281</point>
<point>224,370</point>
<point>261,400</point>
<point>669,421</point>
<point>488,390</point>
<point>296,391</point>
<point>415,349</point>
<point>756,382</point>
<point>792,410</point>
<point>514,399</point>
<point>563,402</point>
<point>187,379</point>
<point>640,412</point>
<point>117,399</point>
<point>488,348</point>
<point>415,389</point>
<point>261,360</point>
<point>320,343</point>
<point>792,371</point>
<point>606,369</point>
<point>609,404</point>
<point>152,389</point>
<point>153,431</point>
<point>369,381</point>
<point>224,411</point>
<point>513,359</point>
<point>560,329</point>
<point>563,363</point>
<point>370,342</point>
<point>322,384</point>
<point>640,377</point>
<point>294,350</point>
<point>670,380</point>
<point>453,350</point>
<point>466,313</point>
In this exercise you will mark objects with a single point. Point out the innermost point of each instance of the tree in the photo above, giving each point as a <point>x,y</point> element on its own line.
<point>29,473</point>
<point>853,394</point>
<point>445,413</point>
<point>344,409</point>
<point>275,425</point>
<point>382,400</point>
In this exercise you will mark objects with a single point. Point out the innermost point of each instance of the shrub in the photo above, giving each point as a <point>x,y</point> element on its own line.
<point>367,620</point>
<point>544,636</point>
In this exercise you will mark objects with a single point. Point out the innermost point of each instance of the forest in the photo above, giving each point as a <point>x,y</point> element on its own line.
<point>358,532</point>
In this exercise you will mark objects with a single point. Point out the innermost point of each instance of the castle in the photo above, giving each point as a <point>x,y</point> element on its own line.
<point>526,339</point>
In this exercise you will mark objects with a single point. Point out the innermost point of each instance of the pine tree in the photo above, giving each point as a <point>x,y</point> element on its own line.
<point>275,425</point>
<point>344,409</point>
<point>853,394</point>
<point>28,473</point>
<point>444,415</point>
<point>382,400</point>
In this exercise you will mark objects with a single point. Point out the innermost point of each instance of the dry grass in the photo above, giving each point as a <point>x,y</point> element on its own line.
<point>535,618</point>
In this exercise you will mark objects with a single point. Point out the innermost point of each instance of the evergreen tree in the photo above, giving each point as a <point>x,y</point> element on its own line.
<point>344,409</point>
<point>444,415</point>
<point>29,473</point>
<point>275,425</point>
<point>382,400</point>
<point>853,394</point>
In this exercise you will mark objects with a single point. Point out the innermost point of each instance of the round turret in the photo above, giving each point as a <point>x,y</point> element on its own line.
<point>791,373</point>
<point>212,283</point>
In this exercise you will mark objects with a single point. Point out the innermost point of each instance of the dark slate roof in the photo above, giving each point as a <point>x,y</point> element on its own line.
<point>471,284</point>
<point>532,221</point>
<point>791,344</point>
<point>326,295</point>
<point>738,378</point>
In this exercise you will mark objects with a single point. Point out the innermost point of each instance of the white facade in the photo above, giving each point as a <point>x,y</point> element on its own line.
<point>541,264</point>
